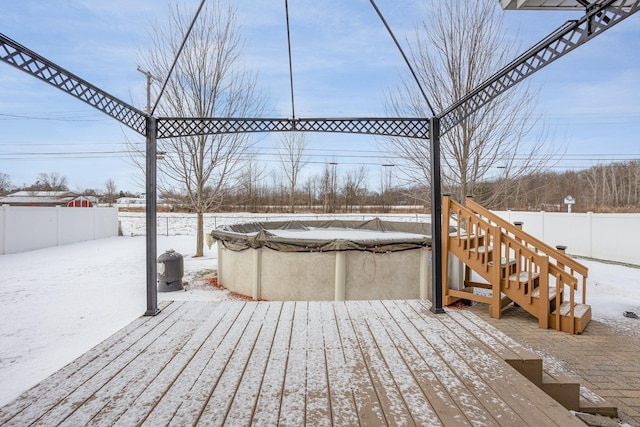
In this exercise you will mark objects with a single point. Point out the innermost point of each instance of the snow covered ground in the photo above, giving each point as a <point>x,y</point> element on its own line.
<point>57,303</point>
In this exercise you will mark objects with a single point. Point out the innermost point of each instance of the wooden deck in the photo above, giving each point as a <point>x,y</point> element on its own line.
<point>294,363</point>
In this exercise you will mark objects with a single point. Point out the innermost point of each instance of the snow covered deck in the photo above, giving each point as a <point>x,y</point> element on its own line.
<point>292,363</point>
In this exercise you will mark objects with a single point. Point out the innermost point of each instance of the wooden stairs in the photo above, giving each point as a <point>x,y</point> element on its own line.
<point>565,389</point>
<point>512,266</point>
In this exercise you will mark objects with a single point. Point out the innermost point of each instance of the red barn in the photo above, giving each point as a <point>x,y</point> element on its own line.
<point>80,202</point>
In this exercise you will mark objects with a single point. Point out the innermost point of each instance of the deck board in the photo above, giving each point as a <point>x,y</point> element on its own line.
<point>413,394</point>
<point>489,368</point>
<point>267,407</point>
<point>35,402</point>
<point>485,406</point>
<point>366,398</point>
<point>390,398</point>
<point>222,395</point>
<point>342,398</point>
<point>193,402</point>
<point>181,367</point>
<point>445,407</point>
<point>213,331</point>
<point>292,407</point>
<point>318,401</point>
<point>81,389</point>
<point>129,383</point>
<point>246,393</point>
<point>293,363</point>
<point>454,386</point>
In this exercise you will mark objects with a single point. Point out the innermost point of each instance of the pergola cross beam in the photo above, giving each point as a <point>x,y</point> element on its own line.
<point>601,16</point>
<point>400,127</point>
<point>37,66</point>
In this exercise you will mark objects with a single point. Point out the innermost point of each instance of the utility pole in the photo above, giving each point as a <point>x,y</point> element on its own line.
<point>150,78</point>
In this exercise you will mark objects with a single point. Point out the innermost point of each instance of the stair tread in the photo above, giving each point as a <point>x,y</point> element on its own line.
<point>579,310</point>
<point>594,404</point>
<point>503,261</point>
<point>481,249</point>
<point>559,378</point>
<point>552,292</point>
<point>523,277</point>
<point>589,398</point>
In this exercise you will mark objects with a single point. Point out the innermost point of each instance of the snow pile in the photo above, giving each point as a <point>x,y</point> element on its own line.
<point>57,303</point>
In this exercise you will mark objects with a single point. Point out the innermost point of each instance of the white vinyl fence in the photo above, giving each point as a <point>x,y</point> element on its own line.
<point>610,237</point>
<point>605,236</point>
<point>25,228</point>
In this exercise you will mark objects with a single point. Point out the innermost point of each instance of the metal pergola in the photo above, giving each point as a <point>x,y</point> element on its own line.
<point>599,16</point>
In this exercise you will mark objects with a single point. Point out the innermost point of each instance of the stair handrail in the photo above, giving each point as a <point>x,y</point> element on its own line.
<point>474,221</point>
<point>521,234</point>
<point>503,244</point>
<point>464,234</point>
<point>562,278</point>
<point>540,260</point>
<point>460,211</point>
<point>562,260</point>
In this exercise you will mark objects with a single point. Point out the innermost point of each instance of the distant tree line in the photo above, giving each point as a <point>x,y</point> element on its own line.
<point>612,187</point>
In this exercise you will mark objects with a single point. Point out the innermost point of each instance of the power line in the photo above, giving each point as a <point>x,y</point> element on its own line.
<point>324,153</point>
<point>4,116</point>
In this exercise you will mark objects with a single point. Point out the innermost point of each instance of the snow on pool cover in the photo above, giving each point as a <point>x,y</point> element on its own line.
<point>313,236</point>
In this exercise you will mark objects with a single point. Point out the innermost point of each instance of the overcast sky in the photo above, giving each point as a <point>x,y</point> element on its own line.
<point>343,60</point>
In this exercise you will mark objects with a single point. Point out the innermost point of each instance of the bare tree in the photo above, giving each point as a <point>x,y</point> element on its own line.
<point>353,188</point>
<point>386,178</point>
<point>248,184</point>
<point>278,199</point>
<point>110,192</point>
<point>329,187</point>
<point>291,155</point>
<point>53,181</point>
<point>459,46</point>
<point>208,81</point>
<point>5,184</point>
<point>310,187</point>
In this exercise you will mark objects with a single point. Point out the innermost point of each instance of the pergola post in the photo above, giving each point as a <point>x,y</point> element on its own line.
<point>436,217</point>
<point>151,202</point>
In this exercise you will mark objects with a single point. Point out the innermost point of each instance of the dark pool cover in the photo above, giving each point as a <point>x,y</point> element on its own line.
<point>257,235</point>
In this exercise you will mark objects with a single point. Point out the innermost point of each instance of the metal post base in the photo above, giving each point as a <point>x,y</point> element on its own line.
<point>437,310</point>
<point>154,312</point>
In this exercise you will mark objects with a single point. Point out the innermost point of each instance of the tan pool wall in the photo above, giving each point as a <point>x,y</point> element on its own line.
<point>297,276</point>
<point>312,276</point>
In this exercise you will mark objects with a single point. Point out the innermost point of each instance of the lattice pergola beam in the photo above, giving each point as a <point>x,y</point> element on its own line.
<point>401,127</point>
<point>601,16</point>
<point>37,66</point>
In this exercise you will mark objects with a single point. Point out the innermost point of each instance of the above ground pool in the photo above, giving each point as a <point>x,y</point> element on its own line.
<point>325,260</point>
